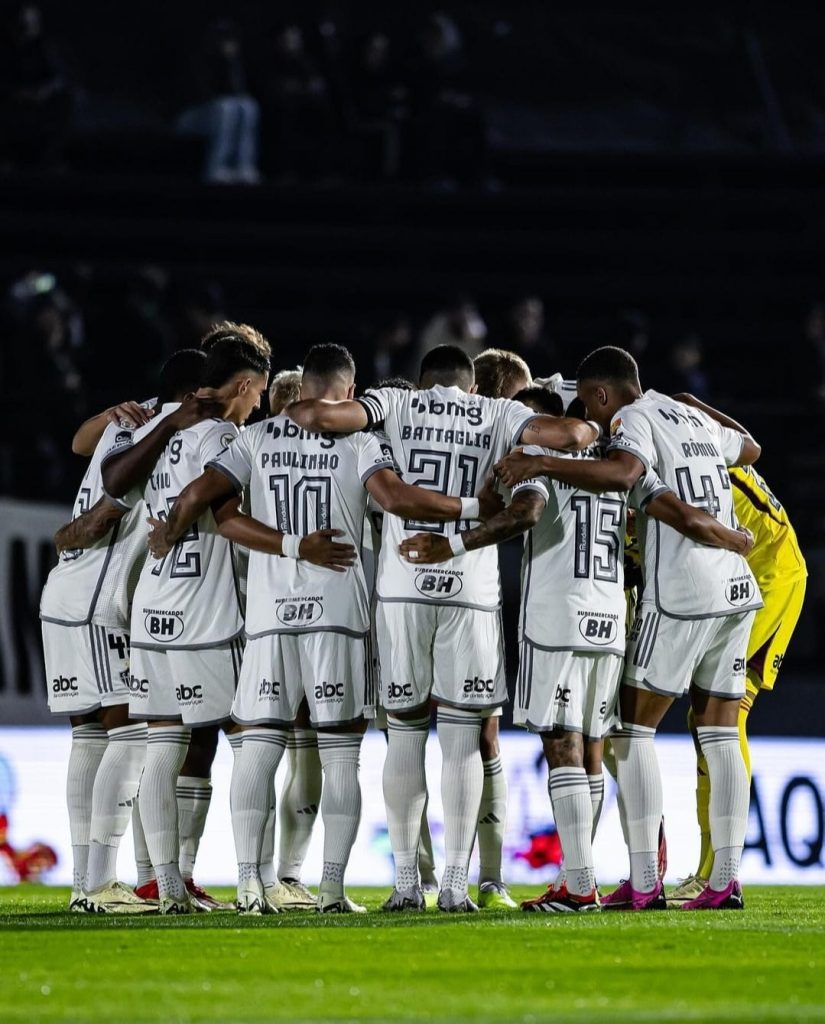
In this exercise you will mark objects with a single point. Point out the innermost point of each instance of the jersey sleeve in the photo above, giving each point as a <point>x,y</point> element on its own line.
<point>647,487</point>
<point>376,403</point>
<point>373,454</point>
<point>630,432</point>
<point>214,440</point>
<point>731,443</point>
<point>536,483</point>
<point>235,460</point>
<point>516,418</point>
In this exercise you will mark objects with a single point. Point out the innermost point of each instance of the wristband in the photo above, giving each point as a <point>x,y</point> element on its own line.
<point>596,427</point>
<point>456,543</point>
<point>290,542</point>
<point>470,508</point>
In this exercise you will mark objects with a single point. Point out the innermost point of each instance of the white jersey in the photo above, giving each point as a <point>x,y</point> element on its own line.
<point>572,577</point>
<point>300,482</point>
<point>445,440</point>
<point>690,452</point>
<point>190,599</point>
<point>95,584</point>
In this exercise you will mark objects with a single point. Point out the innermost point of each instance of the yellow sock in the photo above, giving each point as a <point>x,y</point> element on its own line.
<point>703,814</point>
<point>752,689</point>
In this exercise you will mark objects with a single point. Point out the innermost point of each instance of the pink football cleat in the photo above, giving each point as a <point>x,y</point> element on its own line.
<point>730,898</point>
<point>627,898</point>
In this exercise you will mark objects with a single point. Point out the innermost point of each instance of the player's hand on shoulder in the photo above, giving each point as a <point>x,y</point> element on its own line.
<point>426,548</point>
<point>515,467</point>
<point>129,414</point>
<point>203,405</point>
<point>320,548</point>
<point>158,539</point>
<point>490,502</point>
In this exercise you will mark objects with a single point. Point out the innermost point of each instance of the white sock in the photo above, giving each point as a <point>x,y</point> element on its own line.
<point>115,789</point>
<point>143,862</point>
<point>405,793</point>
<point>570,795</point>
<point>88,747</point>
<point>340,804</point>
<point>640,784</point>
<point>300,798</point>
<point>462,779</point>
<point>253,779</point>
<point>194,796</point>
<point>596,784</point>
<point>426,857</point>
<point>729,800</point>
<point>165,753</point>
<point>492,816</point>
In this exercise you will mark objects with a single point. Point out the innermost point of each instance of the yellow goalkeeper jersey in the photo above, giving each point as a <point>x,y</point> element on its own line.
<point>776,559</point>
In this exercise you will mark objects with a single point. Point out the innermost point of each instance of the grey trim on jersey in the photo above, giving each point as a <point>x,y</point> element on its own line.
<point>117,501</point>
<point>544,731</point>
<point>214,464</point>
<point>654,494</point>
<point>454,704</point>
<point>98,586</point>
<point>374,469</point>
<point>584,649</point>
<point>83,711</point>
<point>442,604</point>
<point>615,447</point>
<point>188,647</point>
<point>692,618</point>
<point>205,725</point>
<point>309,629</point>
<point>524,425</point>
<point>282,723</point>
<point>142,717</point>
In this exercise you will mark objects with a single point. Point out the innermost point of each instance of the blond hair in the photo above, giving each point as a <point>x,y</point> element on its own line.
<point>498,371</point>
<point>227,329</point>
<point>285,388</point>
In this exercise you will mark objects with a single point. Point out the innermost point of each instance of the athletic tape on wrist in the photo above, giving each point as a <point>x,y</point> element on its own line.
<point>457,544</point>
<point>290,544</point>
<point>470,508</point>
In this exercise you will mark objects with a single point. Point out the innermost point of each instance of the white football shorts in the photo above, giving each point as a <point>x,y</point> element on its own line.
<point>332,670</point>
<point>667,655</point>
<point>448,654</point>
<point>87,668</point>
<point>197,687</point>
<point>575,691</point>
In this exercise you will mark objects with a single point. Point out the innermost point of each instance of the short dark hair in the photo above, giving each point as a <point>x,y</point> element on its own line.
<point>447,365</point>
<point>543,401</point>
<point>610,364</point>
<point>328,361</point>
<point>180,374</point>
<point>398,383</point>
<point>497,369</point>
<point>230,356</point>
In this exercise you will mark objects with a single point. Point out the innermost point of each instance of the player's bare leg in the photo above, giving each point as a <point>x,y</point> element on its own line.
<point>492,819</point>
<point>115,789</point>
<point>405,796</point>
<point>339,750</point>
<point>89,742</point>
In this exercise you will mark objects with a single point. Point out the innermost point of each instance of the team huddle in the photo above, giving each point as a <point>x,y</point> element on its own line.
<point>335,564</point>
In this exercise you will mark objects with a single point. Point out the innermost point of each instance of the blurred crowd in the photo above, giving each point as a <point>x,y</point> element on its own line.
<point>94,337</point>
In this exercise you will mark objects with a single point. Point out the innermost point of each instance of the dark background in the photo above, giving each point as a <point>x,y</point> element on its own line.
<point>654,177</point>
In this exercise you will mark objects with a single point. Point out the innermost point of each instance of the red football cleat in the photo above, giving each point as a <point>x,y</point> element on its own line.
<point>148,891</point>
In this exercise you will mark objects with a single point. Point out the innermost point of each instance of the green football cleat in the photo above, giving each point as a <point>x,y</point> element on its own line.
<point>494,896</point>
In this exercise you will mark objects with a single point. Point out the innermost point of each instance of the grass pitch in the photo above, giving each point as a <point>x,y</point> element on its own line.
<point>765,964</point>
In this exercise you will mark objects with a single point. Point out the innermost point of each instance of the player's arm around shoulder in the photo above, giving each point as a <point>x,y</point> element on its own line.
<point>521,515</point>
<point>323,416</point>
<point>90,527</point>
<point>697,524</point>
<point>750,450</point>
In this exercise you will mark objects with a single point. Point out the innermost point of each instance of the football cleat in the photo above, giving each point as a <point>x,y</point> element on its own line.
<point>77,902</point>
<point>494,896</point>
<point>537,905</point>
<point>430,890</point>
<point>288,894</point>
<point>406,899</point>
<point>688,889</point>
<point>730,898</point>
<point>148,891</point>
<point>562,901</point>
<point>173,906</point>
<point>117,898</point>
<point>202,901</point>
<point>335,903</point>
<point>452,902</point>
<point>627,898</point>
<point>251,900</point>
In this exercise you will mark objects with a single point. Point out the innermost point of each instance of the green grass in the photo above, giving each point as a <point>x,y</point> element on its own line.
<point>765,964</point>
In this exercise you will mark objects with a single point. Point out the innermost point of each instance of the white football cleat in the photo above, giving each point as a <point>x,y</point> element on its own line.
<point>117,898</point>
<point>687,889</point>
<point>288,894</point>
<point>77,902</point>
<point>251,900</point>
<point>337,903</point>
<point>172,905</point>
<point>453,902</point>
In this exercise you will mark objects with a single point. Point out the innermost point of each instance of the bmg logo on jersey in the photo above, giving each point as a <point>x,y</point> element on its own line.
<point>438,584</point>
<point>740,591</point>
<point>598,629</point>
<point>269,688</point>
<point>163,626</point>
<point>300,611</point>
<point>64,684</point>
<point>329,692</point>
